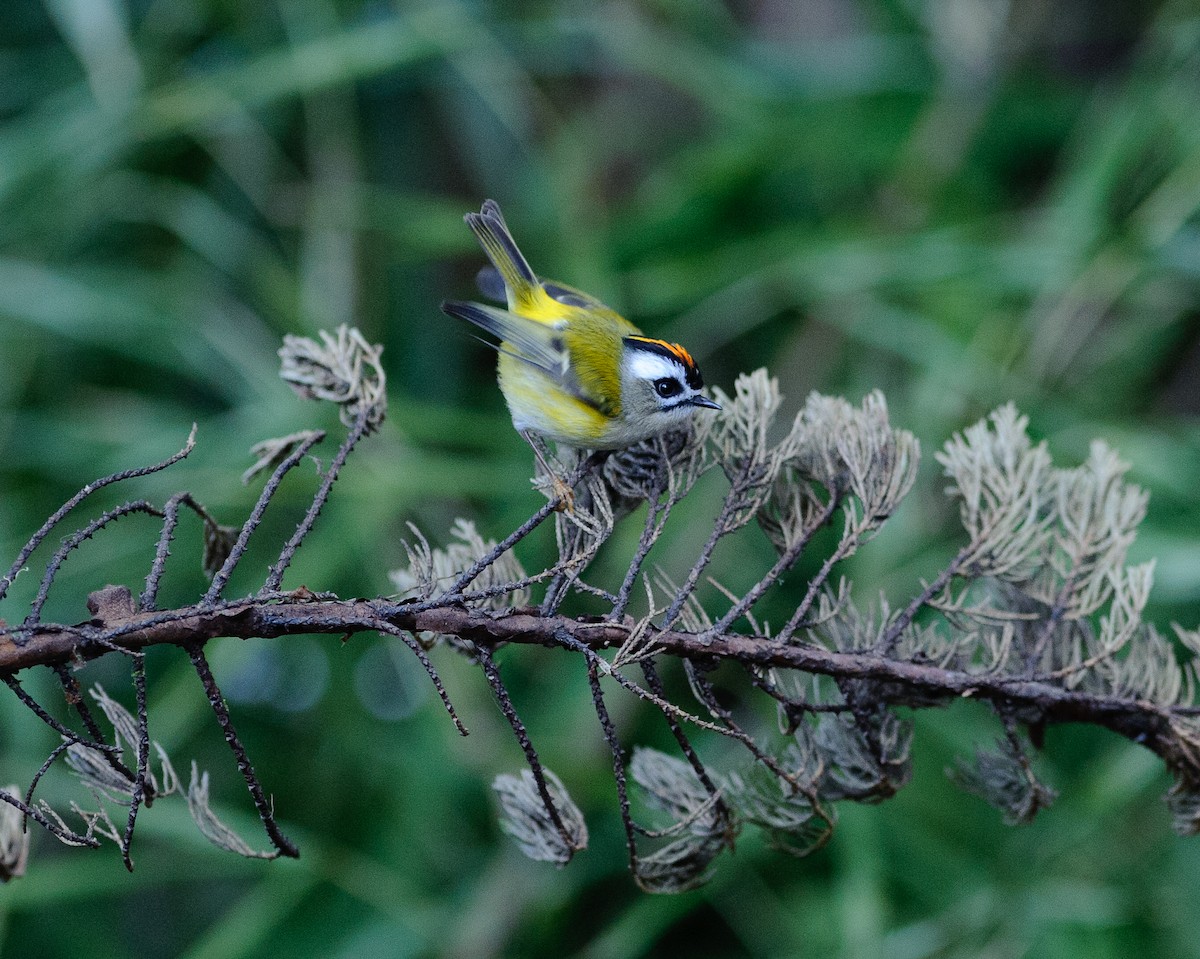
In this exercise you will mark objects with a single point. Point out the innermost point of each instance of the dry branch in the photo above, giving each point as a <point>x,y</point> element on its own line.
<point>1036,616</point>
<point>1038,702</point>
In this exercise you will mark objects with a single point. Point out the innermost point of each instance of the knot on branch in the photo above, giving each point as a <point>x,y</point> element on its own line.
<point>111,605</point>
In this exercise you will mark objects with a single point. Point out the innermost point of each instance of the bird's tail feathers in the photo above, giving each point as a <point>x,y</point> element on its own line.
<point>519,279</point>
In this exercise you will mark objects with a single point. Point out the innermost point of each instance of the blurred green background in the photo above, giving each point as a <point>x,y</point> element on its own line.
<point>960,202</point>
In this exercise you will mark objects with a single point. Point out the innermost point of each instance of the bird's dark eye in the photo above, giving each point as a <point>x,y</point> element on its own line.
<point>667,387</point>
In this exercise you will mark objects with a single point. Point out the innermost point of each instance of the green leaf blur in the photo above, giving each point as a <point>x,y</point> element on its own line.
<point>958,202</point>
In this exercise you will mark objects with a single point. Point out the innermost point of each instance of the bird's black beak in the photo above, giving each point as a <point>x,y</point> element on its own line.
<point>704,401</point>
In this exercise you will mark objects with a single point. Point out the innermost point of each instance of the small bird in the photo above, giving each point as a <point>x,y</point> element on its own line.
<point>571,369</point>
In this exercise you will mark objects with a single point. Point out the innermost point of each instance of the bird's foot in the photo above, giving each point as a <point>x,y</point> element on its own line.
<point>563,495</point>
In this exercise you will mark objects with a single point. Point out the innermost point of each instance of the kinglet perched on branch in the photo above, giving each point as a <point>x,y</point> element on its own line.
<point>571,369</point>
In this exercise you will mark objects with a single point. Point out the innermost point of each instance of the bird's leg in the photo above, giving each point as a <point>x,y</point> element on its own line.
<point>562,492</point>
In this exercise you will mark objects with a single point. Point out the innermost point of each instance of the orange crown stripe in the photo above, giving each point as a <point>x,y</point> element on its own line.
<point>674,349</point>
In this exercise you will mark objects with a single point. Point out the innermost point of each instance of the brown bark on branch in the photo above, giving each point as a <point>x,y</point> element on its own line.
<point>118,626</point>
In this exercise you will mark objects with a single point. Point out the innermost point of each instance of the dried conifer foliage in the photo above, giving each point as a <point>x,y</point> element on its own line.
<point>1038,616</point>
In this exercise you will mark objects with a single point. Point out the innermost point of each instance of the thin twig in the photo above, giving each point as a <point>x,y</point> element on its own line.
<point>571,569</point>
<point>256,515</point>
<point>471,573</point>
<point>1047,626</point>
<point>139,791</point>
<point>385,627</point>
<point>650,533</point>
<point>45,768</point>
<point>790,705</point>
<point>76,698</point>
<point>787,559</point>
<point>65,731</point>
<point>216,702</point>
<point>664,705</point>
<point>362,425</point>
<point>657,514</point>
<point>891,636</point>
<point>32,812</point>
<point>56,517</point>
<point>170,513</point>
<point>731,503</point>
<point>72,543</point>
<point>704,693</point>
<point>844,548</point>
<point>618,763</point>
<point>488,663</point>
<point>654,682</point>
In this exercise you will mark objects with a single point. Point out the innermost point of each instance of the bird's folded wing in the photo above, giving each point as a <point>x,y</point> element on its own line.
<point>538,344</point>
